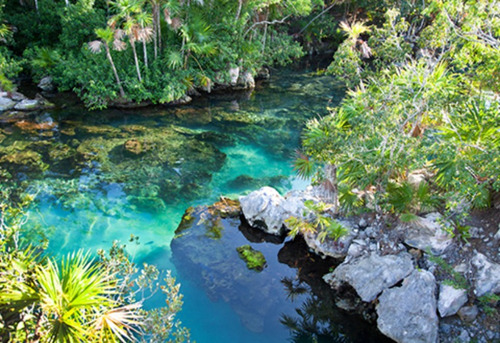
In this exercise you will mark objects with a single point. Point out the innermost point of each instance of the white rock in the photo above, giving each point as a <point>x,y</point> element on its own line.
<point>486,275</point>
<point>46,84</point>
<point>6,104</point>
<point>427,233</point>
<point>450,300</point>
<point>337,249</point>
<point>234,73</point>
<point>370,274</point>
<point>407,314</point>
<point>27,105</point>
<point>264,209</point>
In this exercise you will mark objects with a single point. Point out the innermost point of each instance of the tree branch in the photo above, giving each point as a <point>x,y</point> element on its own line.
<point>280,21</point>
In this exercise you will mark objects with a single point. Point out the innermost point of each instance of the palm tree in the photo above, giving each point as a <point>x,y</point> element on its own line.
<point>144,20</point>
<point>108,36</point>
<point>125,15</point>
<point>75,302</point>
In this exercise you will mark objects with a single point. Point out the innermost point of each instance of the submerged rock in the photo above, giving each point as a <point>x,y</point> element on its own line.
<point>371,274</point>
<point>450,300</point>
<point>253,258</point>
<point>407,314</point>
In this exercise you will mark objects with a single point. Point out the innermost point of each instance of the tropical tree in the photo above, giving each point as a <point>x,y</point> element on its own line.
<point>144,19</point>
<point>125,19</point>
<point>108,37</point>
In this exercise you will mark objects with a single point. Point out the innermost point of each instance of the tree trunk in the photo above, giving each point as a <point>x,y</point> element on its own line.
<point>145,51</point>
<point>331,177</point>
<point>132,43</point>
<point>155,31</point>
<point>110,59</point>
<point>240,4</point>
<point>159,29</point>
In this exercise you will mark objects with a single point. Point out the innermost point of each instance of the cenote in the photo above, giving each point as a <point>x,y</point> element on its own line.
<point>106,175</point>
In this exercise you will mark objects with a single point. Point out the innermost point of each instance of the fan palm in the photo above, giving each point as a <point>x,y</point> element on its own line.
<point>108,36</point>
<point>125,12</point>
<point>145,33</point>
<point>75,301</point>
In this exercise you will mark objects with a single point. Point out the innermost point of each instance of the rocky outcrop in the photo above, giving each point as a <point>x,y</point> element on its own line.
<point>46,84</point>
<point>268,210</point>
<point>337,249</point>
<point>264,209</point>
<point>427,233</point>
<point>6,104</point>
<point>450,300</point>
<point>245,81</point>
<point>17,101</point>
<point>371,274</point>
<point>407,314</point>
<point>487,275</point>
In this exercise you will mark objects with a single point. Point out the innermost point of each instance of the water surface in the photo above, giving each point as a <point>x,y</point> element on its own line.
<point>104,176</point>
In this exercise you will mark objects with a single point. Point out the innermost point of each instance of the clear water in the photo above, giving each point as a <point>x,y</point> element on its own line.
<point>91,190</point>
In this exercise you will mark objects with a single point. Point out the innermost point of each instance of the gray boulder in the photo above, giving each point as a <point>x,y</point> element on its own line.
<point>264,209</point>
<point>407,314</point>
<point>468,313</point>
<point>486,275</point>
<point>371,274</point>
<point>27,105</point>
<point>427,233</point>
<point>45,84</point>
<point>234,74</point>
<point>450,300</point>
<point>6,104</point>
<point>245,81</point>
<point>267,209</point>
<point>336,249</point>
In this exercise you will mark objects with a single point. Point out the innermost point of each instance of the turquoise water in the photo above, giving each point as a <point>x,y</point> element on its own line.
<point>104,176</point>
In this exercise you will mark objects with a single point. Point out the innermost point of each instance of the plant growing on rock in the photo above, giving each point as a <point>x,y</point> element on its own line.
<point>321,224</point>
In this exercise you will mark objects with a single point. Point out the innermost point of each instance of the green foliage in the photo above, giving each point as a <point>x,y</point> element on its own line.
<point>489,303</point>
<point>78,299</point>
<point>324,225</point>
<point>416,103</point>
<point>455,279</point>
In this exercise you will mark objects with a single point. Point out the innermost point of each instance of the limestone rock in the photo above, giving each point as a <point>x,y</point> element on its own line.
<point>468,313</point>
<point>487,275</point>
<point>6,104</point>
<point>245,81</point>
<point>407,314</point>
<point>263,74</point>
<point>268,210</point>
<point>336,249</point>
<point>369,275</point>
<point>450,300</point>
<point>427,233</point>
<point>27,105</point>
<point>264,209</point>
<point>46,84</point>
<point>234,74</point>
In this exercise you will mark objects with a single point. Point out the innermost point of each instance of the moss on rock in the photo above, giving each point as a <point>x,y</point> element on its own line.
<point>253,258</point>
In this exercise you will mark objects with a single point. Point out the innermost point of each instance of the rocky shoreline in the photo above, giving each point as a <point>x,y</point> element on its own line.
<point>415,281</point>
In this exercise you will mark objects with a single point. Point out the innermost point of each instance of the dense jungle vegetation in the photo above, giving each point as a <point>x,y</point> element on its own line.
<point>418,129</point>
